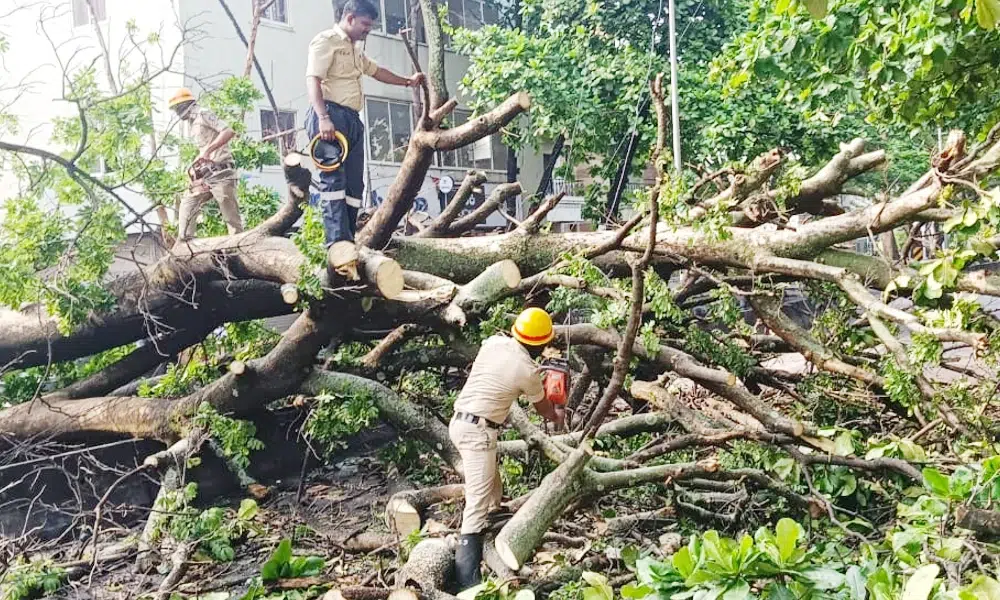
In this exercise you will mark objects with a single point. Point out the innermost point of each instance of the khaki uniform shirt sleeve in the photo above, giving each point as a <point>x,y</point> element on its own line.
<point>320,57</point>
<point>211,121</point>
<point>368,66</point>
<point>533,389</point>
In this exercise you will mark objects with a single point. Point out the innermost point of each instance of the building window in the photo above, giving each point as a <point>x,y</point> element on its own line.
<point>472,14</point>
<point>284,124</point>
<point>397,15</point>
<point>486,154</point>
<point>389,128</point>
<point>275,11</point>
<point>81,11</point>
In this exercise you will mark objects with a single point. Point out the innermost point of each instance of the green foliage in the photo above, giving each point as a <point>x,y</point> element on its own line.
<point>215,529</point>
<point>256,204</point>
<point>414,460</point>
<point>335,417</point>
<point>909,62</point>
<point>282,565</point>
<point>27,580</point>
<point>782,564</point>
<point>20,386</point>
<point>311,242</point>
<point>235,436</point>
<point>900,384</point>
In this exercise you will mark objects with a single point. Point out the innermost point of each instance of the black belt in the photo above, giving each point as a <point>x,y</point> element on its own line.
<point>471,418</point>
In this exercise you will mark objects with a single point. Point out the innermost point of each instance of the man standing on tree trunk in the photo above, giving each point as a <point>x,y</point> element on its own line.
<point>503,370</point>
<point>333,82</point>
<point>213,172</point>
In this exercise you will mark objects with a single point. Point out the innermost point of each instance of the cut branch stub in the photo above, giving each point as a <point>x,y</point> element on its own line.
<point>491,285</point>
<point>404,511</point>
<point>356,263</point>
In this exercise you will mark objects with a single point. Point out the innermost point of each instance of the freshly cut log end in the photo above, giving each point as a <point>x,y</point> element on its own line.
<point>388,278</point>
<point>402,595</point>
<point>507,555</point>
<point>237,367</point>
<point>493,283</point>
<point>289,293</point>
<point>343,258</point>
<point>402,517</point>
<point>403,512</point>
<point>524,100</point>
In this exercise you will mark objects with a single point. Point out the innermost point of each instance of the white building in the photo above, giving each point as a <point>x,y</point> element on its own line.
<point>44,34</point>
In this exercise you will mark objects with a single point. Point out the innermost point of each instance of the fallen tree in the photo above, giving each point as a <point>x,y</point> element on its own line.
<point>425,300</point>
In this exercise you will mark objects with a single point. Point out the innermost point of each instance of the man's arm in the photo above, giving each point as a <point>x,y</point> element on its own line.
<point>221,139</point>
<point>386,76</point>
<point>315,92</point>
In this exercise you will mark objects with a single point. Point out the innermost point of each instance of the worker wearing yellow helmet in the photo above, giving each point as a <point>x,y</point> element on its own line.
<point>213,172</point>
<point>504,369</point>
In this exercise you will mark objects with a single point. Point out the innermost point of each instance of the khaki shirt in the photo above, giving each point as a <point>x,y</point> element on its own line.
<point>502,371</point>
<point>203,130</point>
<point>339,65</point>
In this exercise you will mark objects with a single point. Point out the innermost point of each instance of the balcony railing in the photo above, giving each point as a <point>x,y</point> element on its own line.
<point>579,188</point>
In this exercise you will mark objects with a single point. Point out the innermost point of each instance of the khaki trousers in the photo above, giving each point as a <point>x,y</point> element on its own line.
<point>483,491</point>
<point>223,190</point>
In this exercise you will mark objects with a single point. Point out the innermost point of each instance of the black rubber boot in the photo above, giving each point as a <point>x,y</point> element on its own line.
<point>468,556</point>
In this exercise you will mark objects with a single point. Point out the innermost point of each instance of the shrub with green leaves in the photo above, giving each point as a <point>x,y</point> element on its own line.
<point>26,580</point>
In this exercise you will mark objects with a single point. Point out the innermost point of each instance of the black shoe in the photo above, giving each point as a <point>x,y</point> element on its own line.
<point>468,556</point>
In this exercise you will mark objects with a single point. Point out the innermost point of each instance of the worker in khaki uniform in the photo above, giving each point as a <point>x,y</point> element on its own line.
<point>214,169</point>
<point>333,82</point>
<point>504,369</point>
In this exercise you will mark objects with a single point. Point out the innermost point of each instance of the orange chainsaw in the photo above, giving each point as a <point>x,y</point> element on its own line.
<point>555,380</point>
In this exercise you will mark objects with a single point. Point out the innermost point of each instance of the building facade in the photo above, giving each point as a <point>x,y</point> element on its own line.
<point>198,47</point>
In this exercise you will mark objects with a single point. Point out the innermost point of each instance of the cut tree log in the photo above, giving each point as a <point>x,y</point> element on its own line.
<point>983,522</point>
<point>404,511</point>
<point>357,263</point>
<point>429,568</point>
<point>371,593</point>
<point>492,284</point>
<point>518,539</point>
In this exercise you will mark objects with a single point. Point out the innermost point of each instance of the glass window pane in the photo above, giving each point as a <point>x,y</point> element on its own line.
<point>473,14</point>
<point>379,138</point>
<point>395,16</point>
<point>416,20</point>
<point>499,152</point>
<point>400,130</point>
<point>465,152</point>
<point>455,13</point>
<point>491,15</point>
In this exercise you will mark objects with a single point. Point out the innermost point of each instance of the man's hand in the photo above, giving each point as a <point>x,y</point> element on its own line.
<point>326,129</point>
<point>560,417</point>
<point>415,79</point>
<point>201,158</point>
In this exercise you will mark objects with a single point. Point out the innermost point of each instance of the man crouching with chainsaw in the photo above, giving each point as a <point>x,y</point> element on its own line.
<point>213,173</point>
<point>504,369</point>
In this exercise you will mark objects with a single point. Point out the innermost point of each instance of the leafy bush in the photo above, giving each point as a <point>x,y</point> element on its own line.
<point>30,580</point>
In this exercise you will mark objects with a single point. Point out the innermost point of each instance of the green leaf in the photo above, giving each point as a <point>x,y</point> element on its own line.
<point>683,562</point>
<point>816,8</point>
<point>248,509</point>
<point>308,566</point>
<point>936,482</point>
<point>988,13</point>
<point>788,533</point>
<point>856,584</point>
<point>782,6</point>
<point>824,578</point>
<point>630,554</point>
<point>635,592</point>
<point>919,586</point>
<point>984,588</point>
<point>737,591</point>
<point>950,549</point>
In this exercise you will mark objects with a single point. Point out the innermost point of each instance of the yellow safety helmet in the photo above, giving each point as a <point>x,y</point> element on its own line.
<point>183,95</point>
<point>324,159</point>
<point>533,327</point>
